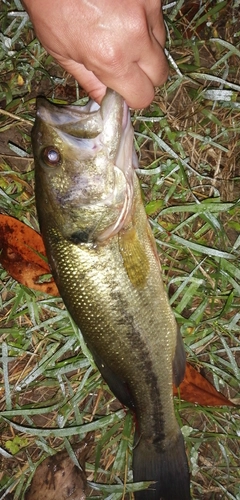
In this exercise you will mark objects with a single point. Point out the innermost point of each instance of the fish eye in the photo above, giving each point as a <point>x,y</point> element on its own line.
<point>51,156</point>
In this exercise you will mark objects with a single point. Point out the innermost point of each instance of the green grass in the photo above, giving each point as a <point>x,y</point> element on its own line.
<point>189,150</point>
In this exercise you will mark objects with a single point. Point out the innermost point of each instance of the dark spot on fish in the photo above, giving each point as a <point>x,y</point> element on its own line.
<point>157,441</point>
<point>80,237</point>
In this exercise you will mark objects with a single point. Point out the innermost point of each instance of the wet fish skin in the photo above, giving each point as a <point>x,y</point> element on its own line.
<point>105,263</point>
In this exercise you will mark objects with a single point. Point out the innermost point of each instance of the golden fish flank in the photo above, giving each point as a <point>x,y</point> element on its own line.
<point>104,260</point>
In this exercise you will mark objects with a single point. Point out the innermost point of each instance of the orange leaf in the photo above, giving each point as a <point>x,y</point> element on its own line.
<point>22,254</point>
<point>196,389</point>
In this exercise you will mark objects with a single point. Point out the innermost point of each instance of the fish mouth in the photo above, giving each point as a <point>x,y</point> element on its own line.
<point>76,121</point>
<point>107,125</point>
<point>86,121</point>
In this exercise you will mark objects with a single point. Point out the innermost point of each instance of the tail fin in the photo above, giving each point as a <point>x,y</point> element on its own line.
<point>169,470</point>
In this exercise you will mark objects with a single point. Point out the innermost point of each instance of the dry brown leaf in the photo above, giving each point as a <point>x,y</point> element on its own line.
<point>196,389</point>
<point>22,254</point>
<point>58,478</point>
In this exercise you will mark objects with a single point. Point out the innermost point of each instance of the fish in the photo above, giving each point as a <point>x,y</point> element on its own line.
<point>104,260</point>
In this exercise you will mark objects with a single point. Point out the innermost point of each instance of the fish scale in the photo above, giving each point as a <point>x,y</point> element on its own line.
<point>104,260</point>
<point>111,312</point>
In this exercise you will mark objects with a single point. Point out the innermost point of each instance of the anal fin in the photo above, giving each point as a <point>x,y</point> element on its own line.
<point>117,386</point>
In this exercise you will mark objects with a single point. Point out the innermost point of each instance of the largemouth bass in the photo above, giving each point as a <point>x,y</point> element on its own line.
<point>105,263</point>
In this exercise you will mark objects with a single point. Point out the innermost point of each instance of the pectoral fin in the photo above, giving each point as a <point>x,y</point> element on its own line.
<point>179,360</point>
<point>134,257</point>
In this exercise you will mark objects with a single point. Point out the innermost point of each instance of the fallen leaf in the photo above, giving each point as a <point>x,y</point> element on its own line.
<point>196,389</point>
<point>58,478</point>
<point>20,80</point>
<point>22,254</point>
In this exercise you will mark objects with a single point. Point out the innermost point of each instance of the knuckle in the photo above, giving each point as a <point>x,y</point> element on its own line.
<point>113,56</point>
<point>139,28</point>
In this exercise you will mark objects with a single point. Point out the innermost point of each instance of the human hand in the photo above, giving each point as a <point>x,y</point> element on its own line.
<point>105,43</point>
